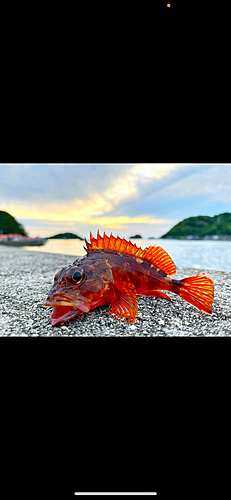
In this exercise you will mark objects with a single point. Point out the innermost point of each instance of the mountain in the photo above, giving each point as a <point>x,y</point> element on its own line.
<point>202,226</point>
<point>8,224</point>
<point>65,236</point>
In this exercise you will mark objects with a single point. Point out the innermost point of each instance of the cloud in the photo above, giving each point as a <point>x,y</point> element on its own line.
<point>57,182</point>
<point>148,198</point>
<point>158,171</point>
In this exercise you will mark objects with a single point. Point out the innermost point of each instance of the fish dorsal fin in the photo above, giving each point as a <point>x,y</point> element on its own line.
<point>155,255</point>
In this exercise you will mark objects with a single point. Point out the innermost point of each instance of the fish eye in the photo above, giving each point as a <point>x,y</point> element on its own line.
<point>76,276</point>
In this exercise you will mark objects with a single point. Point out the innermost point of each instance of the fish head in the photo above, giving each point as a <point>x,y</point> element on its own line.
<point>77,288</point>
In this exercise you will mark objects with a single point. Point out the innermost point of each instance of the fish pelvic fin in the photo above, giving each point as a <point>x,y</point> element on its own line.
<point>198,291</point>
<point>124,304</point>
<point>155,255</point>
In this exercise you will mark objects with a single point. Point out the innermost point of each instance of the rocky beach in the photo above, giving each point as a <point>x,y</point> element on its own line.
<point>27,276</point>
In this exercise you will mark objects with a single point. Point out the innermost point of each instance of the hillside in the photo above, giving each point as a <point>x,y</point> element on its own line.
<point>202,226</point>
<point>8,224</point>
<point>66,236</point>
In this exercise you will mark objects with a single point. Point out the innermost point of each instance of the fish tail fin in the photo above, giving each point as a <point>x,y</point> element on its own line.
<point>198,291</point>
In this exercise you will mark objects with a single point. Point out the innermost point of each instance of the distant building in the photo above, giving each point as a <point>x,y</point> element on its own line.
<point>192,237</point>
<point>212,237</point>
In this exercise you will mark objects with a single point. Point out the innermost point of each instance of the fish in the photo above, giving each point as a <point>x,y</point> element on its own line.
<point>115,271</point>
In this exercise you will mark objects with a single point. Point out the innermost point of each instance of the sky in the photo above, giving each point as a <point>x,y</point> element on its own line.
<point>125,199</point>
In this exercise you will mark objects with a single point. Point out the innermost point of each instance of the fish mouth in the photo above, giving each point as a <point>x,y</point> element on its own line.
<point>64,308</point>
<point>60,314</point>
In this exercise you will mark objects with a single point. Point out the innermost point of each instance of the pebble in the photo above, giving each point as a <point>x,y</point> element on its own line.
<point>22,312</point>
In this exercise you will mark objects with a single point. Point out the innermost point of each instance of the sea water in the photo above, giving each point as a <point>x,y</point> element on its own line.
<point>202,254</point>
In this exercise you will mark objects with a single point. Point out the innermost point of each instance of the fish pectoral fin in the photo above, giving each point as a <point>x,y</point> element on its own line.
<point>156,293</point>
<point>124,303</point>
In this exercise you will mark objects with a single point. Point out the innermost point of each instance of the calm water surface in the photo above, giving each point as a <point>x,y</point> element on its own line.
<point>202,254</point>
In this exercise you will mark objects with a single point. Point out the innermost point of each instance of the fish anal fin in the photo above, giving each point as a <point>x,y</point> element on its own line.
<point>155,293</point>
<point>124,303</point>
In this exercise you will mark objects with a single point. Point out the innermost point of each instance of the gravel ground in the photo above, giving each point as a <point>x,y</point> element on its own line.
<point>26,277</point>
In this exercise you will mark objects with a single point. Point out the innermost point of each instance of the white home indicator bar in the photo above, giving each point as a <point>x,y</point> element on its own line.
<point>119,493</point>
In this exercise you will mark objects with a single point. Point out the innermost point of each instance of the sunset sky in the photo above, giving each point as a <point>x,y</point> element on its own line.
<point>125,199</point>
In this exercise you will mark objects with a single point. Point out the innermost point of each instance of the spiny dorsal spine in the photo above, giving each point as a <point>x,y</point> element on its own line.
<point>154,254</point>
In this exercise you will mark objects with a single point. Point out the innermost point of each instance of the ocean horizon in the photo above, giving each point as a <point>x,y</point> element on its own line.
<point>201,254</point>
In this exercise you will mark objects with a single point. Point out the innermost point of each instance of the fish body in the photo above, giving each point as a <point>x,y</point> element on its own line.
<point>115,271</point>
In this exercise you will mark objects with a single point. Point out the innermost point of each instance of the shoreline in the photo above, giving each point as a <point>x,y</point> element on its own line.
<point>26,277</point>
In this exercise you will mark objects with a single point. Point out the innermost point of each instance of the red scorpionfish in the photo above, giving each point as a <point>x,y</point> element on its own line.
<point>114,272</point>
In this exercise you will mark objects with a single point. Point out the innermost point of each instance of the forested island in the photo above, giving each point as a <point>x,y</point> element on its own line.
<point>65,236</point>
<point>8,224</point>
<point>202,227</point>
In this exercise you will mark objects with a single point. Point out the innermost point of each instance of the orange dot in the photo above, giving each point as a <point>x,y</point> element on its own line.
<point>168,5</point>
